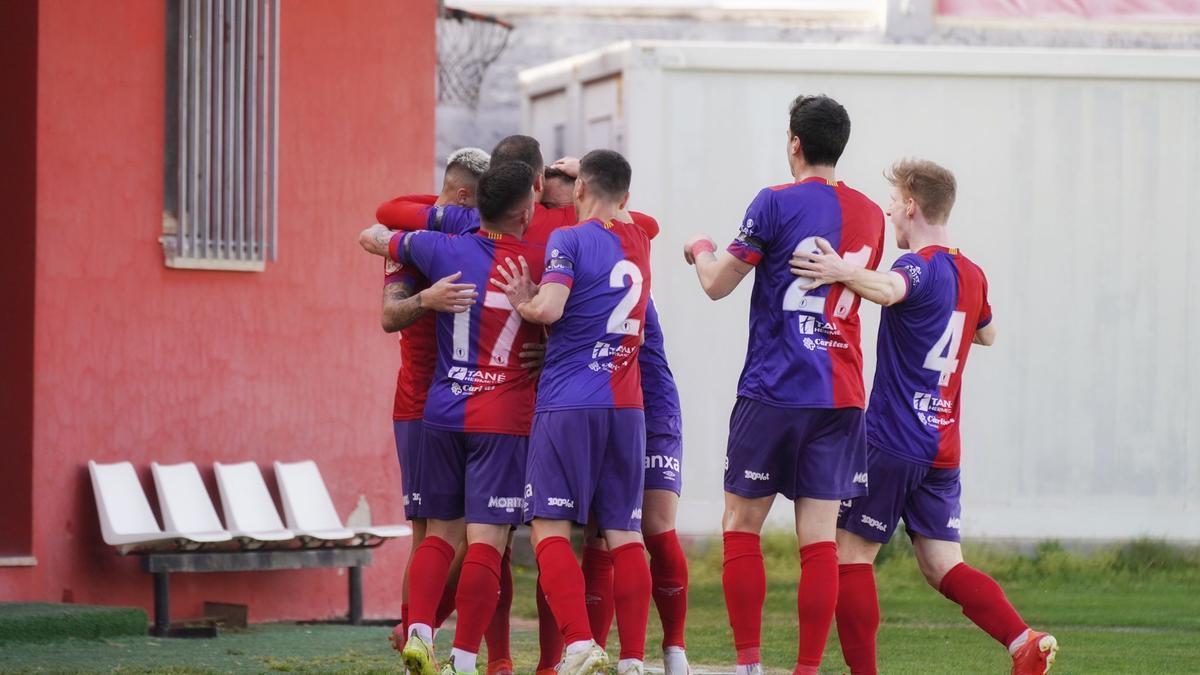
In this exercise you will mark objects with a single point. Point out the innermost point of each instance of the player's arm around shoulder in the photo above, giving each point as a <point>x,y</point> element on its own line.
<point>828,267</point>
<point>542,304</point>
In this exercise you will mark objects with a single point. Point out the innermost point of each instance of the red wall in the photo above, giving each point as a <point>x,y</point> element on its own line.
<point>139,362</point>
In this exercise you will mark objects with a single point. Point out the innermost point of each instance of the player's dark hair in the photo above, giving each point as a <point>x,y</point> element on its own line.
<point>932,186</point>
<point>501,188</point>
<point>606,172</point>
<point>518,148</point>
<point>823,127</point>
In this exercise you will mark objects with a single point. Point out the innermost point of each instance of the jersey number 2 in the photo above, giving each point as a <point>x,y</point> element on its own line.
<point>943,357</point>
<point>504,341</point>
<point>796,299</point>
<point>619,321</point>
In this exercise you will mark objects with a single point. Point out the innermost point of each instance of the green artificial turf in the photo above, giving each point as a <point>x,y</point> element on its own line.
<point>1128,609</point>
<point>44,622</point>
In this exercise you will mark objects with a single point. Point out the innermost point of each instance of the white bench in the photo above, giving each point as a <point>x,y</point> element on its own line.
<point>195,541</point>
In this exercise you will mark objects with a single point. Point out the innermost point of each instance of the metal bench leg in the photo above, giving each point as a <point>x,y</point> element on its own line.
<point>162,604</point>
<point>356,611</point>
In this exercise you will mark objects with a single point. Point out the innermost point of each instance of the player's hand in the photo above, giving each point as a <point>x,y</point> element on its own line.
<point>533,356</point>
<point>447,296</point>
<point>375,239</point>
<point>567,165</point>
<point>826,267</point>
<point>517,283</point>
<point>704,241</point>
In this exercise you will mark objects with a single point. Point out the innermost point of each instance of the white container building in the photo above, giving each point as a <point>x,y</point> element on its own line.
<point>1079,175</point>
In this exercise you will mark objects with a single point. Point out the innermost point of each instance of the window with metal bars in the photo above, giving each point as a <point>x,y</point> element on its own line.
<point>222,134</point>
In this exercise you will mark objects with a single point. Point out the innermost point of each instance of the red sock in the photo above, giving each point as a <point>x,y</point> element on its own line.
<point>446,605</point>
<point>632,598</point>
<point>496,635</point>
<point>857,616</point>
<point>598,586</point>
<point>478,592</point>
<point>816,599</point>
<point>431,564</point>
<point>669,573</point>
<point>562,581</point>
<point>745,584</point>
<point>550,643</point>
<point>404,620</point>
<point>983,602</point>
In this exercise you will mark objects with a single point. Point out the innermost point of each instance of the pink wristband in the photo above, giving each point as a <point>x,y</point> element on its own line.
<point>703,246</point>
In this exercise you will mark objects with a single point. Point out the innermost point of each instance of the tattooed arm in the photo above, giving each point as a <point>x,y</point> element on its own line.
<point>403,304</point>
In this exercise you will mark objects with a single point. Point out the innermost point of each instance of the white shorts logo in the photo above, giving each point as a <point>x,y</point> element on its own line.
<point>755,475</point>
<point>868,520</point>
<point>560,502</point>
<point>860,478</point>
<point>509,504</point>
<point>637,514</point>
<point>953,523</point>
<point>662,462</point>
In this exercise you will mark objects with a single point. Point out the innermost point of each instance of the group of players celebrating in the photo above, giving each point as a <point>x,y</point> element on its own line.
<point>534,388</point>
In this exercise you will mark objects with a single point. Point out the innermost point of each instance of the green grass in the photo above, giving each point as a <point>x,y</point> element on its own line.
<point>41,622</point>
<point>1128,609</point>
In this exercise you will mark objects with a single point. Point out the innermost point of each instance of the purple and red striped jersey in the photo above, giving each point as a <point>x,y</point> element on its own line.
<point>417,349</point>
<point>592,355</point>
<point>660,397</point>
<point>923,344</point>
<point>805,348</point>
<point>478,385</point>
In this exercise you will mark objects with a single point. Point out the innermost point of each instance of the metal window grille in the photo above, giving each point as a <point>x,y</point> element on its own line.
<point>222,150</point>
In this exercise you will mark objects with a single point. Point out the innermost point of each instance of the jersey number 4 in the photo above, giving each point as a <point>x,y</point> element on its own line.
<point>797,299</point>
<point>619,322</point>
<point>504,341</point>
<point>943,357</point>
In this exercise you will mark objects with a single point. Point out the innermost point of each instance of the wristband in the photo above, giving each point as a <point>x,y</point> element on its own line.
<point>703,246</point>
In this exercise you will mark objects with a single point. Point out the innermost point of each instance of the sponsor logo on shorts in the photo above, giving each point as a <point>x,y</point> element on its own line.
<point>756,475</point>
<point>416,497</point>
<point>954,523</point>
<point>509,504</point>
<point>528,490</point>
<point>860,478</point>
<point>471,381</point>
<point>662,462</point>
<point>637,514</point>
<point>560,502</point>
<point>868,520</point>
